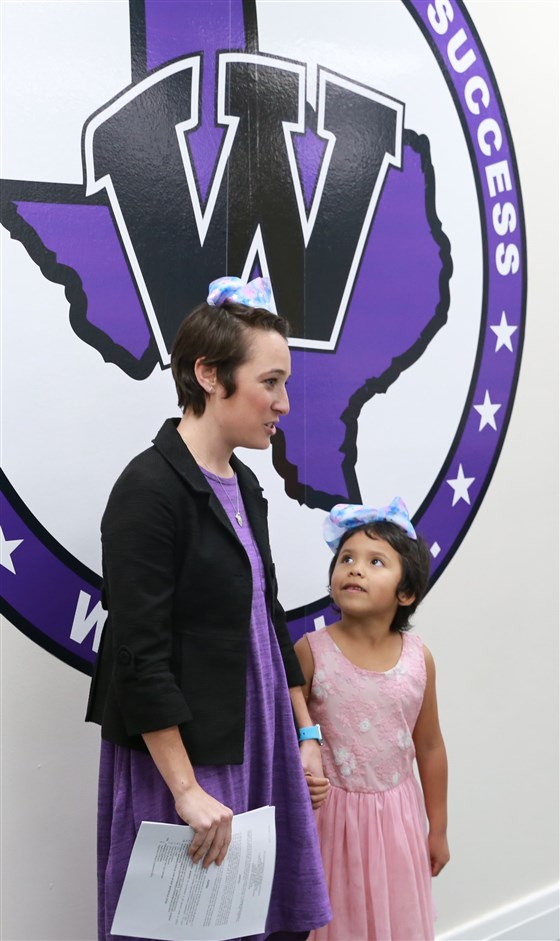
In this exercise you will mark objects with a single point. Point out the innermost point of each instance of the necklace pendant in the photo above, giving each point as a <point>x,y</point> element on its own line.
<point>239,518</point>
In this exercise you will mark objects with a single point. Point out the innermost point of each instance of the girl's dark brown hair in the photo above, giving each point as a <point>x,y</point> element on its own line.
<point>415,561</point>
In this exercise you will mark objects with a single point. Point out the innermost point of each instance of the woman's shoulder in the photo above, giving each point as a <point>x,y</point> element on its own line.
<point>147,485</point>
<point>146,472</point>
<point>162,467</point>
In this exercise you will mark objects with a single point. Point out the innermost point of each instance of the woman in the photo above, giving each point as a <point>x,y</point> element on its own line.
<point>196,684</point>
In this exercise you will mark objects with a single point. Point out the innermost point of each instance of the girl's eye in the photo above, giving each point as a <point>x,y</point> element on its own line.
<point>346,558</point>
<point>376,562</point>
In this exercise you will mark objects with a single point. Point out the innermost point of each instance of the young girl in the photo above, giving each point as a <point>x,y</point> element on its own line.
<point>371,688</point>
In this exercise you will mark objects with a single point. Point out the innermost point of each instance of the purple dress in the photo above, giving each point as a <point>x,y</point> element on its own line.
<point>131,788</point>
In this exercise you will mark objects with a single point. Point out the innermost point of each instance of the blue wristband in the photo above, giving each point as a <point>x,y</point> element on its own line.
<point>310,732</point>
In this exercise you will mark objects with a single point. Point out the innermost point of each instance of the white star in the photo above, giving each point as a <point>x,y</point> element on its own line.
<point>460,486</point>
<point>487,411</point>
<point>7,546</point>
<point>503,332</point>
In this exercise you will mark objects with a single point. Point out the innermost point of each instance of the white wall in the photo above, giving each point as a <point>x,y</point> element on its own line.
<point>491,620</point>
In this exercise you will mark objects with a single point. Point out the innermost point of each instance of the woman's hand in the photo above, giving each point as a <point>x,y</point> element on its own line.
<point>318,789</point>
<point>211,821</point>
<point>310,750</point>
<point>439,851</point>
<point>318,784</point>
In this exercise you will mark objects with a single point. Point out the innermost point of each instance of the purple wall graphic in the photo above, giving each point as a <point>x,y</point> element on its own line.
<point>92,243</point>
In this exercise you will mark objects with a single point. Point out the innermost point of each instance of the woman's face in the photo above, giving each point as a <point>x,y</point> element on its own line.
<point>248,418</point>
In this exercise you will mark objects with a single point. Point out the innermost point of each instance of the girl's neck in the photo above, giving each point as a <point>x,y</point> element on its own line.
<point>368,646</point>
<point>206,444</point>
<point>368,631</point>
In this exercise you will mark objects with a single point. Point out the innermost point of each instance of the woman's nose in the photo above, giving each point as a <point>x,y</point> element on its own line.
<point>282,405</point>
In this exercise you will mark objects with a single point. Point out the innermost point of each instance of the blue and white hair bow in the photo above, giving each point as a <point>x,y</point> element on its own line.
<point>257,293</point>
<point>345,516</point>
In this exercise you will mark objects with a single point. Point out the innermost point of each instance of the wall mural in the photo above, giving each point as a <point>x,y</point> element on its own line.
<point>356,153</point>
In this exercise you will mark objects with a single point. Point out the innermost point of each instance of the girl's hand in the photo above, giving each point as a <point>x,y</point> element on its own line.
<point>318,789</point>
<point>439,852</point>
<point>318,784</point>
<point>211,821</point>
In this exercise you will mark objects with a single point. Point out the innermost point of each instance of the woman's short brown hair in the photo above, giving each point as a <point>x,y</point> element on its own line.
<point>220,336</point>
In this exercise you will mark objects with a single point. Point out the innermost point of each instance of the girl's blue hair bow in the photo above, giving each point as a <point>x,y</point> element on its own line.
<point>345,516</point>
<point>257,293</point>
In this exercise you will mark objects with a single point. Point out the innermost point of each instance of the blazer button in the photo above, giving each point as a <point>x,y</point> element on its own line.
<point>124,657</point>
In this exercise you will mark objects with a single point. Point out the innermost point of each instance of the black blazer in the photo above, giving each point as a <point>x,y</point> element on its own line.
<point>177,585</point>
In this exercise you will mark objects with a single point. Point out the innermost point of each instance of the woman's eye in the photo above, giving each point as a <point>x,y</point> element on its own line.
<point>271,382</point>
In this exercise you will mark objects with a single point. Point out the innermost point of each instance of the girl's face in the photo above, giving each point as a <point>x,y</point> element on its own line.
<point>366,577</point>
<point>248,418</point>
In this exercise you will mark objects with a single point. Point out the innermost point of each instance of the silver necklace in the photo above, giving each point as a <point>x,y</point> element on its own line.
<point>238,517</point>
<point>236,511</point>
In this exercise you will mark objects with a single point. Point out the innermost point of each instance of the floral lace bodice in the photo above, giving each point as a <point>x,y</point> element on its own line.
<point>367,718</point>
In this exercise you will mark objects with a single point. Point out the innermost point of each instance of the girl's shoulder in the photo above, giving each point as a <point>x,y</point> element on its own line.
<point>415,643</point>
<point>414,654</point>
<point>318,639</point>
<point>412,641</point>
<point>310,653</point>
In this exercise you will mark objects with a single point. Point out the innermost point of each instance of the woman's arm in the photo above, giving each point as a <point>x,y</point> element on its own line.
<point>139,539</point>
<point>139,578</point>
<point>208,817</point>
<point>307,664</point>
<point>310,750</point>
<point>431,758</point>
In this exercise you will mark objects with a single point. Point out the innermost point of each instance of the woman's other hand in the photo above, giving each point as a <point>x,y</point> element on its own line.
<point>318,789</point>
<point>309,750</point>
<point>318,784</point>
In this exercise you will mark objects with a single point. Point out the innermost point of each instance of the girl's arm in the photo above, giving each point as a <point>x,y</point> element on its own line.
<point>208,817</point>
<point>431,758</point>
<point>310,750</point>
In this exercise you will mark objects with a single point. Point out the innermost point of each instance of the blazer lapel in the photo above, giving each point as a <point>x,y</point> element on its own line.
<point>172,447</point>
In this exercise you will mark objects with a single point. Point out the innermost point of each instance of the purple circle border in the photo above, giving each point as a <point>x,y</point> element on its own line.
<point>45,611</point>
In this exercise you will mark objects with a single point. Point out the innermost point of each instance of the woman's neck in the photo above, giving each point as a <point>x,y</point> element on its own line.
<point>206,446</point>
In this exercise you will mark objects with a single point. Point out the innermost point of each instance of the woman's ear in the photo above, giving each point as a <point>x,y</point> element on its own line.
<point>405,598</point>
<point>205,375</point>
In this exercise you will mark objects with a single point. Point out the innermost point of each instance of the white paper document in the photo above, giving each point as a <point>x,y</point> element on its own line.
<point>165,895</point>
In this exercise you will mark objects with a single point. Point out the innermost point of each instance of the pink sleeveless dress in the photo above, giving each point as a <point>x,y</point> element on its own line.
<point>372,827</point>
